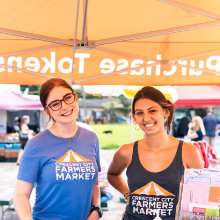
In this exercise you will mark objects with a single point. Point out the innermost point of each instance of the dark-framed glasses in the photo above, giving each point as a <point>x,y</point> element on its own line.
<point>56,105</point>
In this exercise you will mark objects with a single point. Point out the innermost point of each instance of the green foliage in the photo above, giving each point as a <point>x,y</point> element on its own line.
<point>125,101</point>
<point>80,94</point>
<point>126,109</point>
<point>110,109</point>
<point>121,134</point>
<point>31,89</point>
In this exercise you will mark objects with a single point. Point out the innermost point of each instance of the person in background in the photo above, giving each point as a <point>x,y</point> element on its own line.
<point>183,127</point>
<point>105,188</point>
<point>211,123</point>
<point>196,129</point>
<point>62,160</point>
<point>24,135</point>
<point>16,125</point>
<point>155,164</point>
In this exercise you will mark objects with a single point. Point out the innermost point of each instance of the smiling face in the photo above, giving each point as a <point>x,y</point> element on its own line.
<point>149,115</point>
<point>68,112</point>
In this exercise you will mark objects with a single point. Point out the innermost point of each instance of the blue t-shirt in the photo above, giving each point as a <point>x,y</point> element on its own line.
<point>65,171</point>
<point>210,122</point>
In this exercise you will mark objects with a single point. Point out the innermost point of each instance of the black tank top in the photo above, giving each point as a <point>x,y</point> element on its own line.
<point>153,195</point>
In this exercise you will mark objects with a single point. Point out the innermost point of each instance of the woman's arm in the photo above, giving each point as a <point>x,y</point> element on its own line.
<point>95,201</point>
<point>24,129</point>
<point>21,199</point>
<point>192,157</point>
<point>191,134</point>
<point>96,194</point>
<point>119,163</point>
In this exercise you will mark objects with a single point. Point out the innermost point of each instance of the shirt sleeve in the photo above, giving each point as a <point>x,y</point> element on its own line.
<point>98,155</point>
<point>29,168</point>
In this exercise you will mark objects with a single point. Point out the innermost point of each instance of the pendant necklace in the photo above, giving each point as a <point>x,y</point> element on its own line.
<point>69,144</point>
<point>70,141</point>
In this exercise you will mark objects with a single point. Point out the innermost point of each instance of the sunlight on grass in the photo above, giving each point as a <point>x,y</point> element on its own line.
<point>121,134</point>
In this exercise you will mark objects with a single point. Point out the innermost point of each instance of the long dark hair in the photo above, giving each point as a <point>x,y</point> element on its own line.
<point>157,96</point>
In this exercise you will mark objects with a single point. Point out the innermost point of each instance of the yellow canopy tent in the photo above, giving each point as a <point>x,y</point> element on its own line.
<point>168,91</point>
<point>141,42</point>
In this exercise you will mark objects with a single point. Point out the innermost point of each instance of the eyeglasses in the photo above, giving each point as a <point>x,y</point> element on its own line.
<point>56,105</point>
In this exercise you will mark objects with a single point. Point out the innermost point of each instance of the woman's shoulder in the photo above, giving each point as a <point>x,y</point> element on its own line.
<point>33,144</point>
<point>191,156</point>
<point>123,154</point>
<point>125,150</point>
<point>87,132</point>
<point>189,148</point>
<point>127,147</point>
<point>39,136</point>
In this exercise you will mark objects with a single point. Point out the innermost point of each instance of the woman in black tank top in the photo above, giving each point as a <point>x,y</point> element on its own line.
<point>155,164</point>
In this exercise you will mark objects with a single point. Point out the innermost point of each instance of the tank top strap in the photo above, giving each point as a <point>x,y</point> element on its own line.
<point>178,156</point>
<point>135,157</point>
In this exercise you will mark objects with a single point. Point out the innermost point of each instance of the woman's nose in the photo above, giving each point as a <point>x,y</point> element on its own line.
<point>146,117</point>
<point>64,105</point>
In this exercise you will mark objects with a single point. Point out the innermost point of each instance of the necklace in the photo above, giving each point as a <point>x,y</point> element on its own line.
<point>69,143</point>
<point>70,140</point>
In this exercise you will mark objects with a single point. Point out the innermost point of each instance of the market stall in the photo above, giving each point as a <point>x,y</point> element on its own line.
<point>13,105</point>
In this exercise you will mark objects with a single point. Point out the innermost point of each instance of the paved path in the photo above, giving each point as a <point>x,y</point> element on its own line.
<point>116,208</point>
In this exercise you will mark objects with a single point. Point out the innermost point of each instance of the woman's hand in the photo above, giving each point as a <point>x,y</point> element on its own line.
<point>127,197</point>
<point>190,125</point>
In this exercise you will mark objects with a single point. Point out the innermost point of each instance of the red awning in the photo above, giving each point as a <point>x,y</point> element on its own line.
<point>197,96</point>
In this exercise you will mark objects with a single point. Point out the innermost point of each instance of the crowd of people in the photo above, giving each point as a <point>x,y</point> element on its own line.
<point>71,179</point>
<point>199,129</point>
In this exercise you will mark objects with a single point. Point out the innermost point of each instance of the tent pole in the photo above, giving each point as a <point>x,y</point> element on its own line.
<point>84,31</point>
<point>84,105</point>
<point>132,124</point>
<point>132,130</point>
<point>75,36</point>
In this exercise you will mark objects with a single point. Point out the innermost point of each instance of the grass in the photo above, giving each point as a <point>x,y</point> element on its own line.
<point>121,134</point>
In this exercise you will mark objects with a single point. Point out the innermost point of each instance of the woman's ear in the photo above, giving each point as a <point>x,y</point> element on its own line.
<point>47,112</point>
<point>166,113</point>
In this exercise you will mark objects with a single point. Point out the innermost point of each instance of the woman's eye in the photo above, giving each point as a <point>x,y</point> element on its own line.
<point>139,113</point>
<point>68,97</point>
<point>55,104</point>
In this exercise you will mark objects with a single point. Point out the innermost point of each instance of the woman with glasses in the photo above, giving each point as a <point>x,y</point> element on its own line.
<point>62,160</point>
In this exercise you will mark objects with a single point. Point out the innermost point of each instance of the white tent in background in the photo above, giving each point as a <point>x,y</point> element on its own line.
<point>108,90</point>
<point>15,88</point>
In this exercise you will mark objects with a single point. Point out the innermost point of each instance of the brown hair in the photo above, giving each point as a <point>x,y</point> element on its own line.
<point>157,96</point>
<point>49,85</point>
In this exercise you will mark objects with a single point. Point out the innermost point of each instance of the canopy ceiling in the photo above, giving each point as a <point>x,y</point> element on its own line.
<point>141,42</point>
